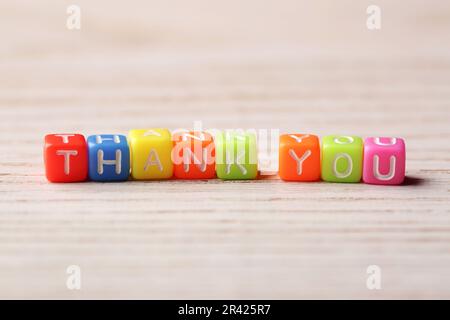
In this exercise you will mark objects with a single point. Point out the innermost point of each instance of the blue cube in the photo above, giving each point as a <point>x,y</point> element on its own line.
<point>109,157</point>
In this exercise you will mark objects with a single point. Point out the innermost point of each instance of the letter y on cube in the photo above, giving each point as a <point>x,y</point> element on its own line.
<point>299,157</point>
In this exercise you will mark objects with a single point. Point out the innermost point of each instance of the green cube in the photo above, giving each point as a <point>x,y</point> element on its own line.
<point>236,156</point>
<point>342,158</point>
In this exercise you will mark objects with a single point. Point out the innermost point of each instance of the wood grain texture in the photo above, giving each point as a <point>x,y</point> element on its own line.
<point>294,66</point>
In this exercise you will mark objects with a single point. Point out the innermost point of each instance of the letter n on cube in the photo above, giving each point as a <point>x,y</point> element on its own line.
<point>193,155</point>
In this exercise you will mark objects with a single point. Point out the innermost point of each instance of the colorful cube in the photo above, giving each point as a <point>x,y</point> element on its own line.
<point>236,155</point>
<point>109,158</point>
<point>299,157</point>
<point>65,157</point>
<point>193,155</point>
<point>342,159</point>
<point>151,154</point>
<point>384,161</point>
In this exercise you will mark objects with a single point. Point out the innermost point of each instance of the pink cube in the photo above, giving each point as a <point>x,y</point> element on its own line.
<point>384,161</point>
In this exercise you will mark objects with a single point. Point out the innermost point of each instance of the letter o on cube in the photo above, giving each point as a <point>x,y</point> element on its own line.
<point>342,159</point>
<point>384,161</point>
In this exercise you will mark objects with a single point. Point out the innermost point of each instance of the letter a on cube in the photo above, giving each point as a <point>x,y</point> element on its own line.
<point>342,159</point>
<point>151,154</point>
<point>65,157</point>
<point>236,156</point>
<point>193,155</point>
<point>109,158</point>
<point>384,161</point>
<point>299,157</point>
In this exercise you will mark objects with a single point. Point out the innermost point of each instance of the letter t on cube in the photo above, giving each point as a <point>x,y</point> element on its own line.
<point>65,157</point>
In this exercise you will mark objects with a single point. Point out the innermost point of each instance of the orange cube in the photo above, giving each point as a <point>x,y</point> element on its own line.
<point>193,155</point>
<point>299,157</point>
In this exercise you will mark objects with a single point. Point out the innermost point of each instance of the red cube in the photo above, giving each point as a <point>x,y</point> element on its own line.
<point>65,157</point>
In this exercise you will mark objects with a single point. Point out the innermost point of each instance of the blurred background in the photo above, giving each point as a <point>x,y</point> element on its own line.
<point>297,66</point>
<point>228,63</point>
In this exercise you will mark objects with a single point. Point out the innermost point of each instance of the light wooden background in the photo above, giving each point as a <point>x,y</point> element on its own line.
<point>300,66</point>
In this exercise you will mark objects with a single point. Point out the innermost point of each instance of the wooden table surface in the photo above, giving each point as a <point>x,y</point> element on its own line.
<point>296,66</point>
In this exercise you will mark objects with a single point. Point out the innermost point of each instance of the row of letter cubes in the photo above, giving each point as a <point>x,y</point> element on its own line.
<point>150,154</point>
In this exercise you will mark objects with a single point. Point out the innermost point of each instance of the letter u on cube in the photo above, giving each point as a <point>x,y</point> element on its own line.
<point>384,161</point>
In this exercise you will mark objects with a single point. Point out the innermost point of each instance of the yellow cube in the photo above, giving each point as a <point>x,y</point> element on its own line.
<point>151,154</point>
